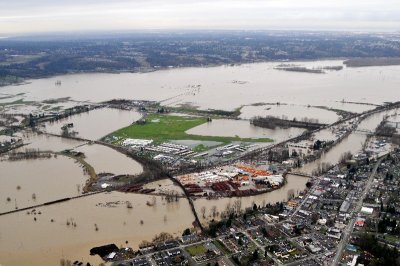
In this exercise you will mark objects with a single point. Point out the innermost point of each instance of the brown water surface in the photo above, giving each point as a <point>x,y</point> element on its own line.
<point>43,242</point>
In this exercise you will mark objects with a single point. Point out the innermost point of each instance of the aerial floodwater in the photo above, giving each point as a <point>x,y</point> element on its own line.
<point>75,222</point>
<point>28,183</point>
<point>224,87</point>
<point>96,123</point>
<point>243,129</point>
<point>60,164</point>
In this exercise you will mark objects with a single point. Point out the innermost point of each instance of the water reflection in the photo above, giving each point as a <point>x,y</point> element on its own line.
<point>43,242</point>
<point>218,89</point>
<point>96,123</point>
<point>243,129</point>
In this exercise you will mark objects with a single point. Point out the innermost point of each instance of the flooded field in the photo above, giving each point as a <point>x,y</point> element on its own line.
<point>295,184</point>
<point>164,186</point>
<point>258,83</point>
<point>101,158</point>
<point>352,107</point>
<point>47,179</point>
<point>23,239</point>
<point>325,134</point>
<point>107,160</point>
<point>95,124</point>
<point>290,112</point>
<point>44,142</point>
<point>17,105</point>
<point>43,242</point>
<point>243,129</point>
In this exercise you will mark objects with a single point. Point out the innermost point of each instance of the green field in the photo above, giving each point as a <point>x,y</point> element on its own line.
<point>196,250</point>
<point>19,102</point>
<point>163,128</point>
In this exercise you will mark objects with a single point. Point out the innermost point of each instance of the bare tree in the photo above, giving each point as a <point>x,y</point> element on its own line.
<point>163,236</point>
<point>345,157</point>
<point>203,212</point>
<point>290,193</point>
<point>214,211</point>
<point>229,209</point>
<point>237,205</point>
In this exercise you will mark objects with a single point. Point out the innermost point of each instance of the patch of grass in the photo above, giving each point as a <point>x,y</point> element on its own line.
<point>55,108</point>
<point>189,109</point>
<point>196,250</point>
<point>163,128</point>
<point>200,148</point>
<point>20,101</point>
<point>392,238</point>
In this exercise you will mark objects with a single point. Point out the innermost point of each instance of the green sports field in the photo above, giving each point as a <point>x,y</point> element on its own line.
<point>163,128</point>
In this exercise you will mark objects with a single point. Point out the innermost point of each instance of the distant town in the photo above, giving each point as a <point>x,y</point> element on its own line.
<point>41,56</point>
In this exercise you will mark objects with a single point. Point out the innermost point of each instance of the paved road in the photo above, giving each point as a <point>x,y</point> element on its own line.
<point>350,226</point>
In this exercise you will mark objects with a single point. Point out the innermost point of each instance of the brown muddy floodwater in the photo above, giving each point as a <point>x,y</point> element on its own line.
<point>243,129</point>
<point>107,160</point>
<point>48,179</point>
<point>295,184</point>
<point>44,142</point>
<point>101,158</point>
<point>353,143</point>
<point>95,124</point>
<point>43,242</point>
<point>225,87</point>
<point>290,112</point>
<point>164,186</point>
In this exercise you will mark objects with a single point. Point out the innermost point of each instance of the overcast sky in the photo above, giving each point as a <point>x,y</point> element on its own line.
<point>27,16</point>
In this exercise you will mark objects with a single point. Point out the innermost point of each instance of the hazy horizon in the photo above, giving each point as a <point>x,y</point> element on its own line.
<point>45,16</point>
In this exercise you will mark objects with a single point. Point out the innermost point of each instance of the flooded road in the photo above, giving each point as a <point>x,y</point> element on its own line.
<point>43,242</point>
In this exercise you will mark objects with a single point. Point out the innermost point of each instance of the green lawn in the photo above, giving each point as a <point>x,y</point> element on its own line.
<point>163,128</point>
<point>19,101</point>
<point>196,250</point>
<point>392,238</point>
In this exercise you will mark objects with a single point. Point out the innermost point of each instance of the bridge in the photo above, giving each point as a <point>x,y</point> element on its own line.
<point>300,174</point>
<point>362,130</point>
